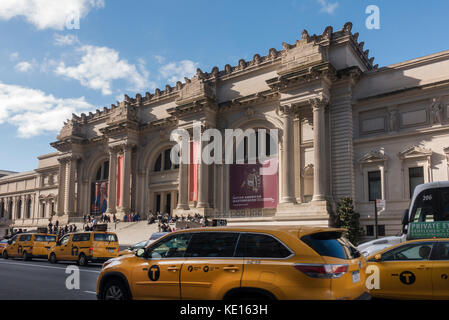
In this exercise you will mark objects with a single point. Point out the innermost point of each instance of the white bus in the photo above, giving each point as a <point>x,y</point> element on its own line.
<point>428,208</point>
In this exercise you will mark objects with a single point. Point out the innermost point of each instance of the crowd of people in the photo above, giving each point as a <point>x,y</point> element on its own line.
<point>60,230</point>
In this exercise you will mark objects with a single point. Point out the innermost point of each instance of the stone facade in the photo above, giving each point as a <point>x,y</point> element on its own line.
<point>340,119</point>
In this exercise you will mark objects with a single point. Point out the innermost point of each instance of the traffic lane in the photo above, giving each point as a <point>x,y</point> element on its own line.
<point>39,280</point>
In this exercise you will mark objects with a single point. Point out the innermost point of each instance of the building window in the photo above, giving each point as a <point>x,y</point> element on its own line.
<point>103,172</point>
<point>163,162</point>
<point>19,209</point>
<point>2,210</point>
<point>415,178</point>
<point>43,210</point>
<point>374,185</point>
<point>10,210</point>
<point>28,214</point>
<point>380,230</point>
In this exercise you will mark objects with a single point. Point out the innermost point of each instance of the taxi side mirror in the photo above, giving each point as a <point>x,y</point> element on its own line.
<point>378,257</point>
<point>9,241</point>
<point>140,253</point>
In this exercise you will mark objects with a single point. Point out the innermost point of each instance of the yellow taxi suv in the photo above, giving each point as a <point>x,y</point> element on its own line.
<point>269,262</point>
<point>85,247</point>
<point>416,269</point>
<point>3,244</point>
<point>29,245</point>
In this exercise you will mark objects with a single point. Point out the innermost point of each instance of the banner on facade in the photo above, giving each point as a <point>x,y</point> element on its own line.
<point>429,230</point>
<point>251,190</point>
<point>100,202</point>
<point>119,180</point>
<point>193,171</point>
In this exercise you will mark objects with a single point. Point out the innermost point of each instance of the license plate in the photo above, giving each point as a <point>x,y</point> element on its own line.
<point>355,276</point>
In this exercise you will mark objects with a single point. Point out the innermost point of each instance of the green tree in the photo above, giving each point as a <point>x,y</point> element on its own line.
<point>347,218</point>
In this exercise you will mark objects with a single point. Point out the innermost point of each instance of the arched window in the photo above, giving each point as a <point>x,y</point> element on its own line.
<point>19,209</point>
<point>246,150</point>
<point>10,210</point>
<point>163,162</point>
<point>28,213</point>
<point>103,172</point>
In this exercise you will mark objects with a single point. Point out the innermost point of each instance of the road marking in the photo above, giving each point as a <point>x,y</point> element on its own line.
<point>90,292</point>
<point>48,267</point>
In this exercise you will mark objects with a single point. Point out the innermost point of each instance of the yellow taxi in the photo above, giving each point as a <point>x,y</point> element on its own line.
<point>29,245</point>
<point>83,247</point>
<point>265,262</point>
<point>416,269</point>
<point>3,244</point>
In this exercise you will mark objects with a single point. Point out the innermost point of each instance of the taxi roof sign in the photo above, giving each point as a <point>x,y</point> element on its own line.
<point>427,230</point>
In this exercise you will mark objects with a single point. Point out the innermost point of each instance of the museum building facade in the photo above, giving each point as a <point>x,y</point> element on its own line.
<point>346,129</point>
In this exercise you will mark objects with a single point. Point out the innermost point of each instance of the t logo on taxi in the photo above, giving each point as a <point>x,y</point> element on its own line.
<point>407,277</point>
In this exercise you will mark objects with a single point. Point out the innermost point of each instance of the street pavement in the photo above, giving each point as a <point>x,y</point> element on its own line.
<point>40,280</point>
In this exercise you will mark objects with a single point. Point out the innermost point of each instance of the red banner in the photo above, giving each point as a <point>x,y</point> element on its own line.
<point>119,180</point>
<point>251,190</point>
<point>100,202</point>
<point>193,174</point>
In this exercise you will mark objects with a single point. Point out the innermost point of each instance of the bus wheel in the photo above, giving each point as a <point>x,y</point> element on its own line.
<point>82,260</point>
<point>52,258</point>
<point>5,255</point>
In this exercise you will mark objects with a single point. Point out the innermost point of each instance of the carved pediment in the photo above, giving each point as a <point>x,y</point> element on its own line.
<point>122,113</point>
<point>302,55</point>
<point>69,130</point>
<point>414,152</point>
<point>196,89</point>
<point>373,156</point>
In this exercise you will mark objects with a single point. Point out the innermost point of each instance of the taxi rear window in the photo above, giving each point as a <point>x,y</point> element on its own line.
<point>331,244</point>
<point>43,238</point>
<point>109,237</point>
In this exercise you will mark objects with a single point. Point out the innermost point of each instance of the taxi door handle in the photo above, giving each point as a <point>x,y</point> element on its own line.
<point>423,268</point>
<point>231,268</point>
<point>173,269</point>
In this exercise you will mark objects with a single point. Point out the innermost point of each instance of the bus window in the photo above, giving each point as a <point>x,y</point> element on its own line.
<point>426,208</point>
<point>444,199</point>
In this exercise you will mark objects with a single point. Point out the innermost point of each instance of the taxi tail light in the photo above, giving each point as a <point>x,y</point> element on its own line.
<point>323,271</point>
<point>91,250</point>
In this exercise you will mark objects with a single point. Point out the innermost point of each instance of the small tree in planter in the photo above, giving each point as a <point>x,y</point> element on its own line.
<point>347,218</point>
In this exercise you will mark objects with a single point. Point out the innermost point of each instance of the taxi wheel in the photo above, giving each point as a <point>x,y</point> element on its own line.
<point>5,255</point>
<point>25,256</point>
<point>52,258</point>
<point>82,260</point>
<point>114,290</point>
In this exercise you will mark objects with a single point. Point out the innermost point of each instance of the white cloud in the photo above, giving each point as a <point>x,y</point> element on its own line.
<point>45,14</point>
<point>159,59</point>
<point>65,40</point>
<point>176,71</point>
<point>25,66</point>
<point>14,56</point>
<point>100,66</point>
<point>34,112</point>
<point>328,7</point>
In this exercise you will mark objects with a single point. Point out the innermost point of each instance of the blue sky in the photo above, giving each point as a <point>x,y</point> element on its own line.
<point>48,71</point>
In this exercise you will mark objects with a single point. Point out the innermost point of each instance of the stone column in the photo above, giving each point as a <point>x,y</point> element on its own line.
<point>69,194</point>
<point>61,192</point>
<point>319,167</point>
<point>183,186</point>
<point>288,187</point>
<point>126,180</point>
<point>203,181</point>
<point>112,192</point>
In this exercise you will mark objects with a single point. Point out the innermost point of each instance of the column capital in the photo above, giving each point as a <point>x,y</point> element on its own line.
<point>319,103</point>
<point>287,110</point>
